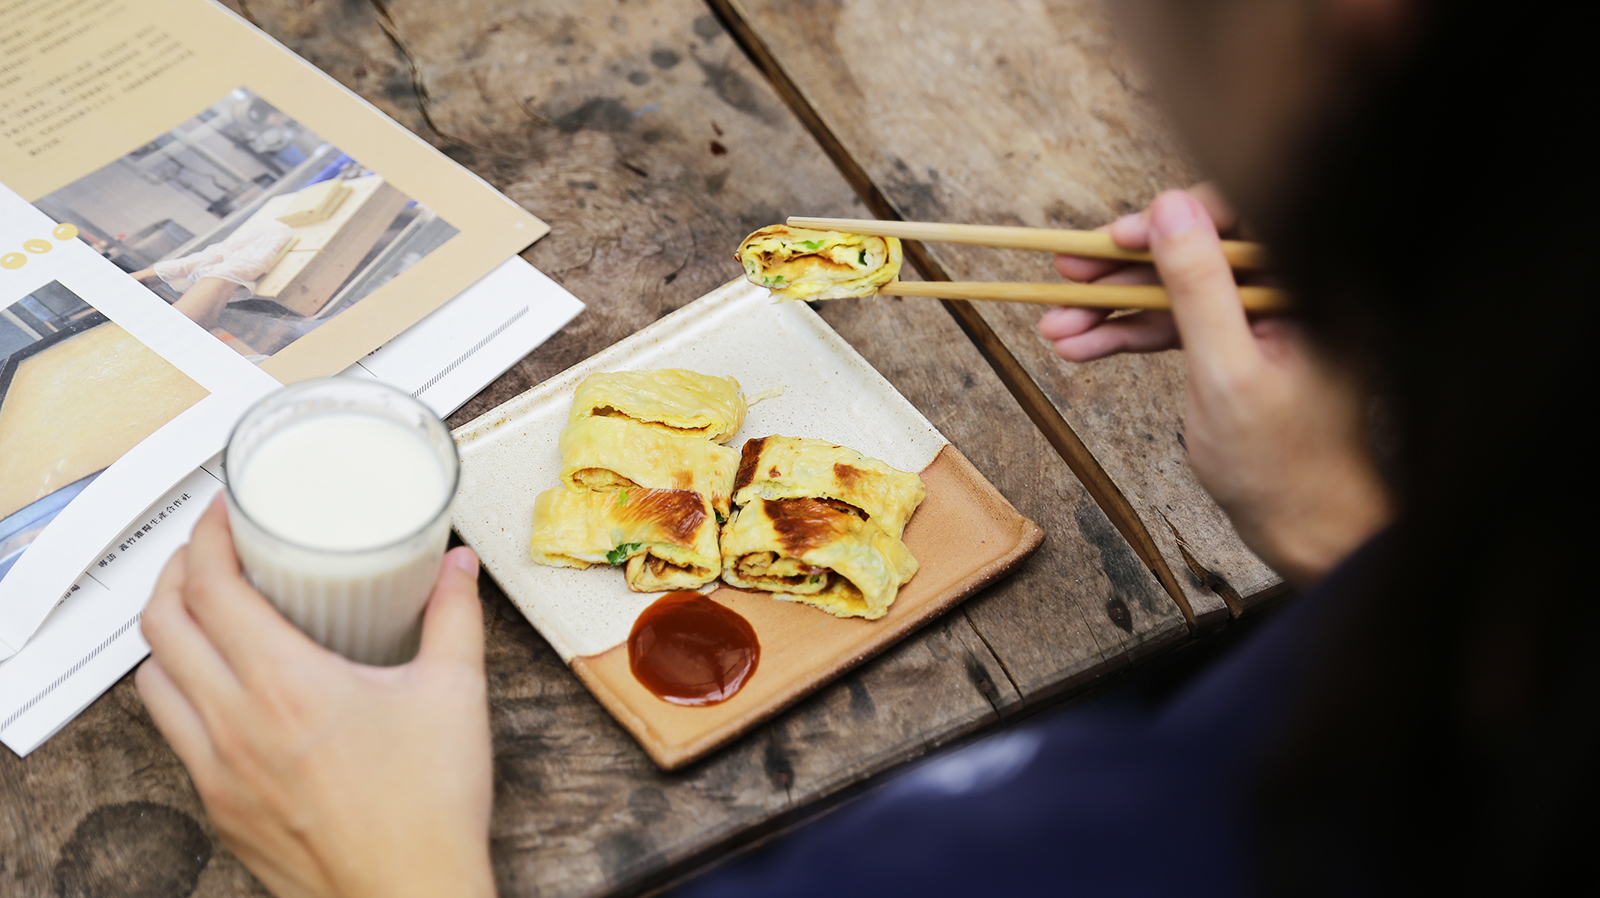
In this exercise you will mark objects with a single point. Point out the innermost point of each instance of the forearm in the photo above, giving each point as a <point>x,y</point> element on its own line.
<point>460,870</point>
<point>203,303</point>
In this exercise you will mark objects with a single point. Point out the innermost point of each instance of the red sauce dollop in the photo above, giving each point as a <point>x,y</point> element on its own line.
<point>688,650</point>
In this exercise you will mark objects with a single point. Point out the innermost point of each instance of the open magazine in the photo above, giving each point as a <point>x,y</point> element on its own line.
<point>92,638</point>
<point>211,216</point>
<point>191,216</point>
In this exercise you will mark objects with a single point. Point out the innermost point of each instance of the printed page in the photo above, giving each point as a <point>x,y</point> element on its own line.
<point>217,190</point>
<point>108,396</point>
<point>286,216</point>
<point>458,350</point>
<point>92,639</point>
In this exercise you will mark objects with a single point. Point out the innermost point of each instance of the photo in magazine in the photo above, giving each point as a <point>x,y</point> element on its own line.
<point>77,391</point>
<point>250,223</point>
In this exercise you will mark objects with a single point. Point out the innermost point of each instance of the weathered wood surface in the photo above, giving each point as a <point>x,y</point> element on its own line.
<point>1083,604</point>
<point>1024,113</point>
<point>651,145</point>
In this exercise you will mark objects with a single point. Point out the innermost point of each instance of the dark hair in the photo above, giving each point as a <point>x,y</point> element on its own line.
<point>1443,239</point>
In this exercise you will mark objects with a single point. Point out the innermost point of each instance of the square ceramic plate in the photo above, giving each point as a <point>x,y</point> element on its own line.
<point>964,535</point>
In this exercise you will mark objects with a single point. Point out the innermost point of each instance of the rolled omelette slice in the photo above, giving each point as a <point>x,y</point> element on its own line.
<point>814,551</point>
<point>779,467</point>
<point>609,453</point>
<point>672,399</point>
<point>798,263</point>
<point>666,538</point>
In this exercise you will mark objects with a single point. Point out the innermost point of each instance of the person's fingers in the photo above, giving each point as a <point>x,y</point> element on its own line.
<point>188,658</point>
<point>1084,269</point>
<point>252,637</point>
<point>1205,301</point>
<point>1133,274</point>
<point>452,626</point>
<point>1068,321</point>
<point>177,719</point>
<point>1139,332</point>
<point>212,541</point>
<point>1131,231</point>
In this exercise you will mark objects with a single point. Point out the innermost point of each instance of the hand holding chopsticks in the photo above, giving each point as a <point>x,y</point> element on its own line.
<point>1095,244</point>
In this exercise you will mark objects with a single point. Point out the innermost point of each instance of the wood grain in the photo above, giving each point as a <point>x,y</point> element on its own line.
<point>651,145</point>
<point>1023,114</point>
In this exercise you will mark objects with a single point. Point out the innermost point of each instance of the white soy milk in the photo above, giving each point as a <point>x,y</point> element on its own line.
<point>343,525</point>
<point>342,481</point>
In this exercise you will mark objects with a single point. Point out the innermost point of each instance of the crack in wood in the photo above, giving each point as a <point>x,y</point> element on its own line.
<point>1208,578</point>
<point>1010,678</point>
<point>979,676</point>
<point>419,85</point>
<point>776,764</point>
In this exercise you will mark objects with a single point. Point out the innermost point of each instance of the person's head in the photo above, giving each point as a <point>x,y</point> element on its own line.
<point>1250,83</point>
<point>1418,170</point>
<point>1404,160</point>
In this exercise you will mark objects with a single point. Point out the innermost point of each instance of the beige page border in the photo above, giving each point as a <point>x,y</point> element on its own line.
<point>229,53</point>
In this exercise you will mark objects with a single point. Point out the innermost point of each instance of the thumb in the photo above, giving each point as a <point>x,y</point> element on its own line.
<point>1205,300</point>
<point>452,625</point>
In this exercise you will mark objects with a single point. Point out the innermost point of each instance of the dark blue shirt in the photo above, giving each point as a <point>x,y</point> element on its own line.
<point>1095,800</point>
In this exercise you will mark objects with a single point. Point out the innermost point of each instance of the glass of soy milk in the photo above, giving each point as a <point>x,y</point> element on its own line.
<point>339,495</point>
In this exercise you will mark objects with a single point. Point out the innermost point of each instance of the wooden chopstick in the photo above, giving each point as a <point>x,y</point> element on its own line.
<point>1095,296</point>
<point>1095,244</point>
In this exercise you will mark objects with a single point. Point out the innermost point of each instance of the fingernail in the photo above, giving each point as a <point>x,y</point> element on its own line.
<point>465,559</point>
<point>1173,213</point>
<point>1052,315</point>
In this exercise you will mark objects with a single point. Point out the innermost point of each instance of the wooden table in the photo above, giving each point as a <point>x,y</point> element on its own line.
<point>652,135</point>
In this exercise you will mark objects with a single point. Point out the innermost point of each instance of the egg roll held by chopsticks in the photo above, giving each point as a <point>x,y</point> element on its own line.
<point>773,257</point>
<point>797,263</point>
